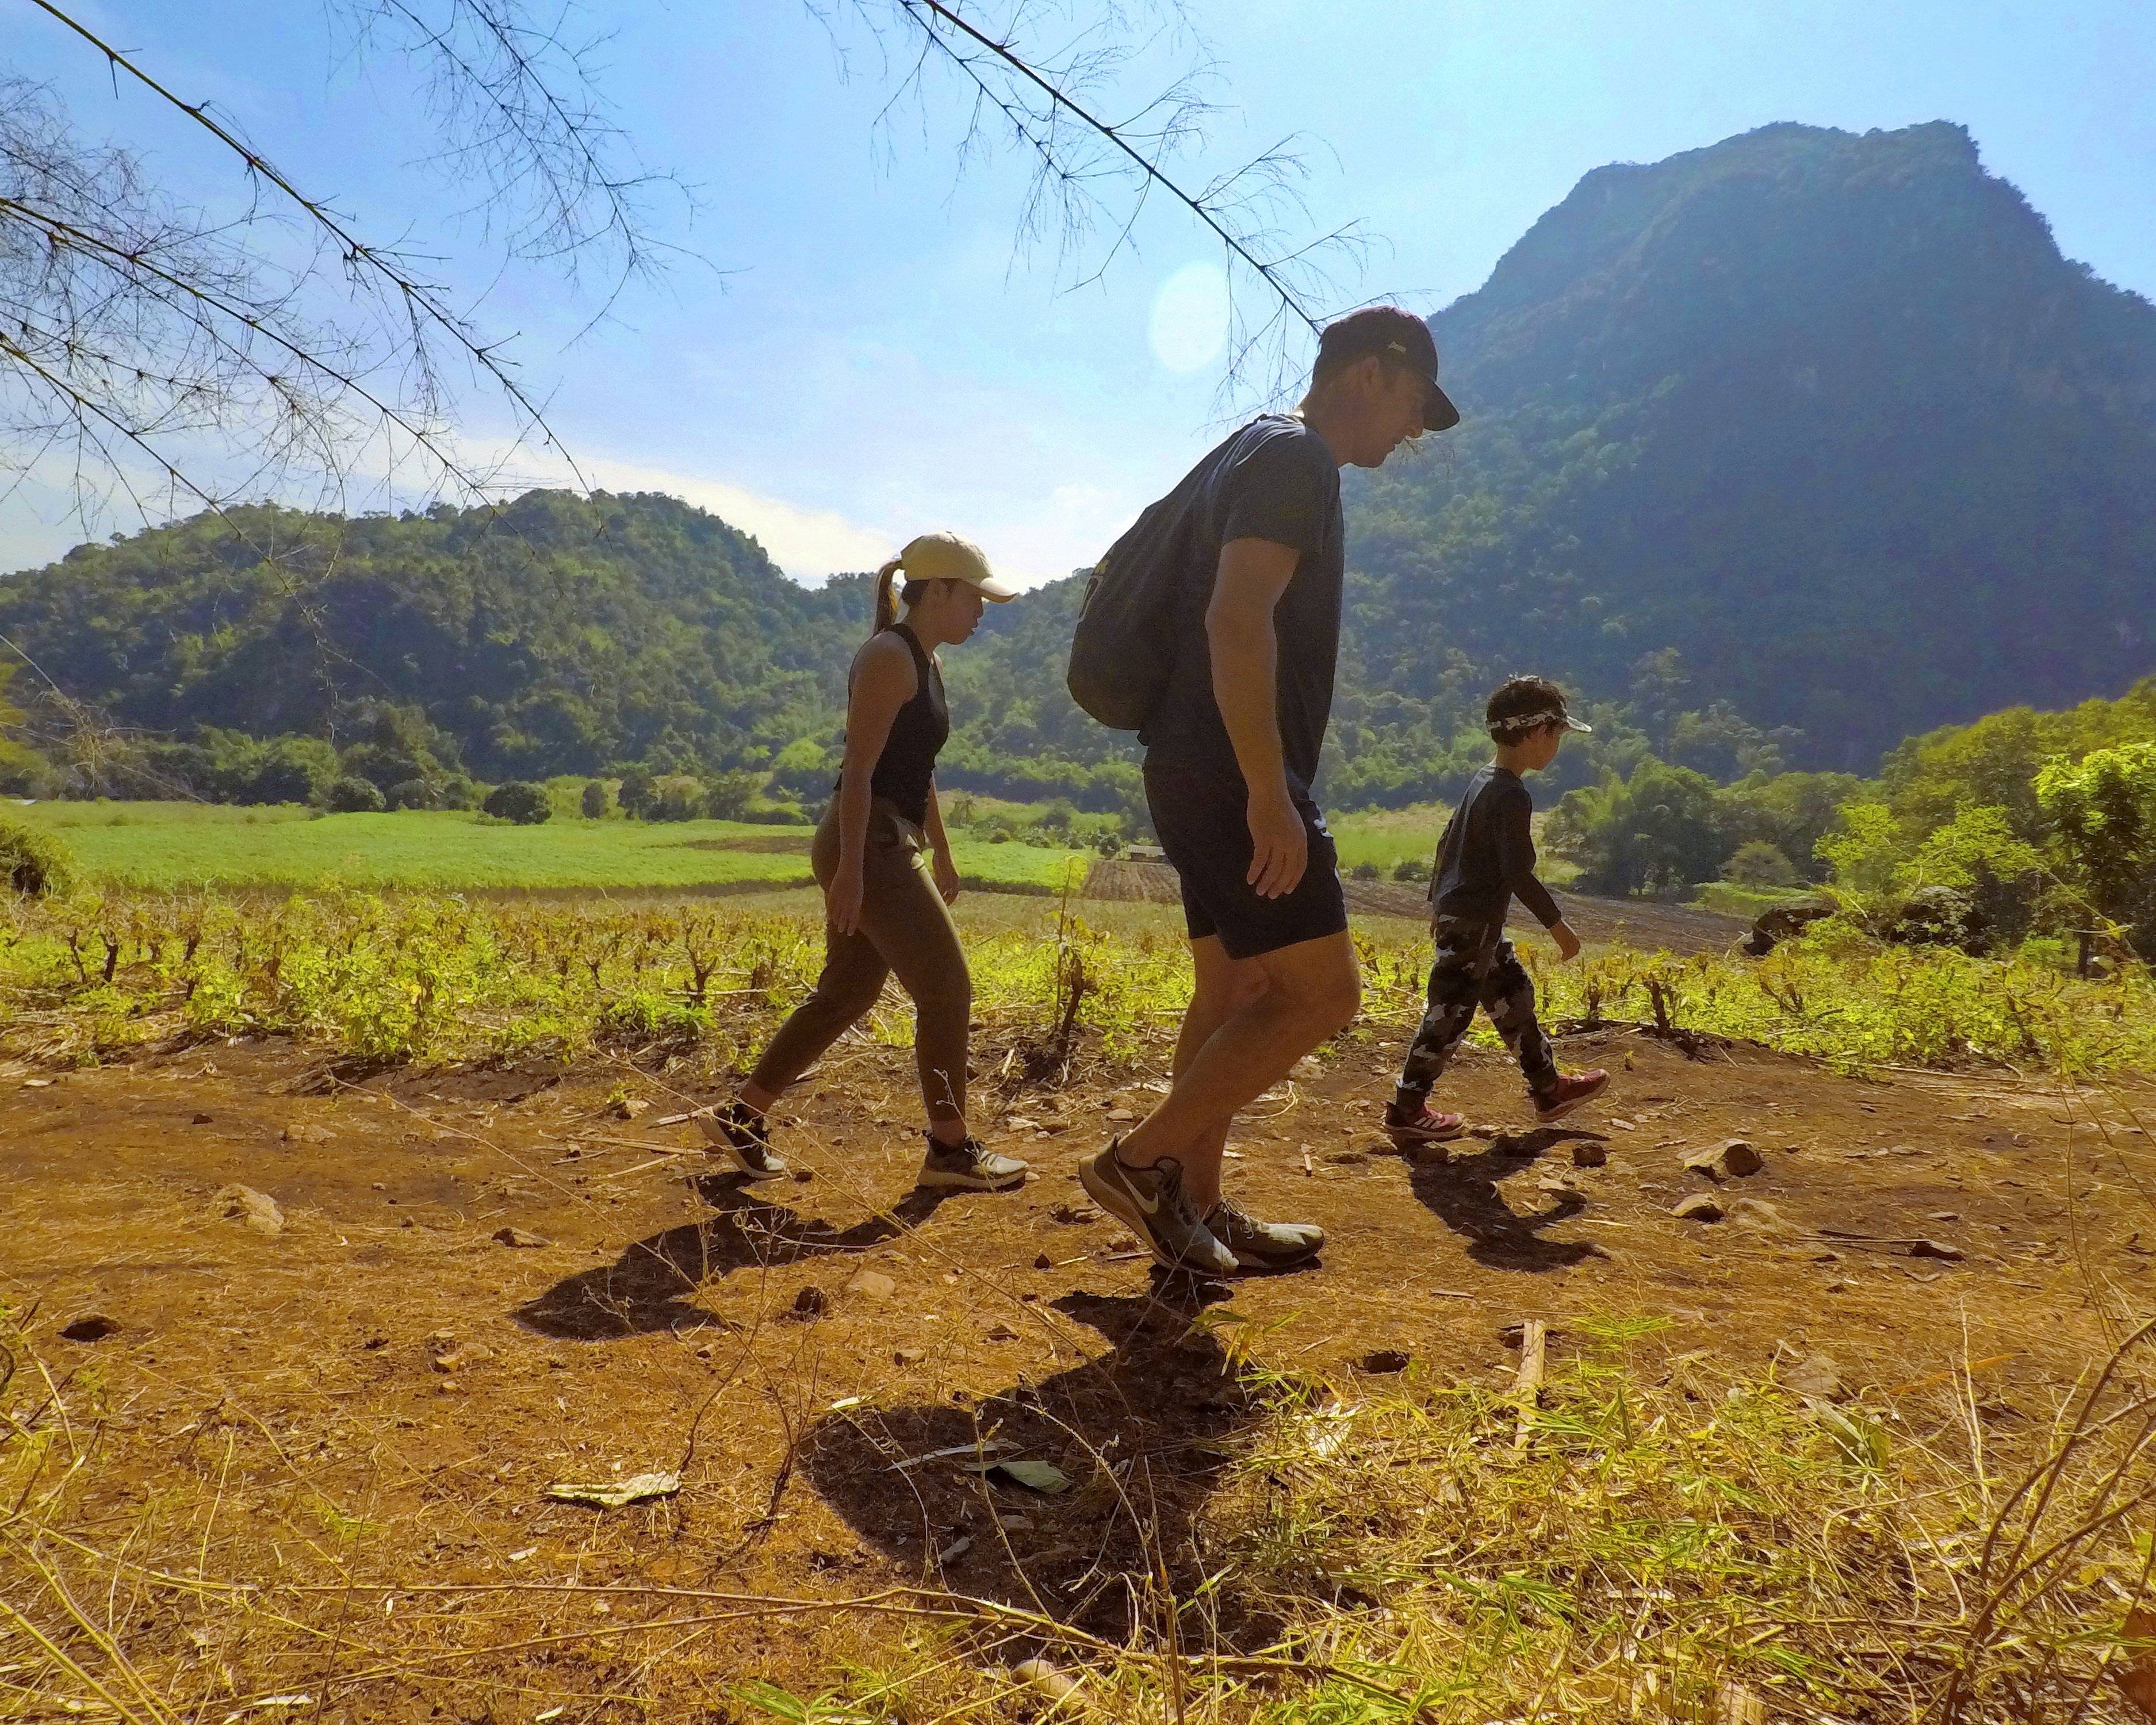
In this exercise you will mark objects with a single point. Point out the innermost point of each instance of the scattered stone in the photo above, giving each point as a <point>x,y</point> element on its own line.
<point>1699,1207</point>
<point>1045,1680</point>
<point>1043,1261</point>
<point>1384,1360</point>
<point>1734,1158</point>
<point>258,1209</point>
<point>1818,1375</point>
<point>909,1356</point>
<point>1935,1249</point>
<point>1075,1215</point>
<point>1758,1213</point>
<point>518,1237</point>
<point>300,1131</point>
<point>956,1549</point>
<point>1586,1152</point>
<point>812,1302</point>
<point>631,1108</point>
<point>468,1353</point>
<point>872,1284</point>
<point>803,1176</point>
<point>200,1120</point>
<point>1120,1114</point>
<point>94,1326</point>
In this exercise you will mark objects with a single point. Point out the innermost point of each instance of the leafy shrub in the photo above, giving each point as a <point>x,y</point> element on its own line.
<point>519,800</point>
<point>354,795</point>
<point>1759,864</point>
<point>410,793</point>
<point>594,803</point>
<point>1411,868</point>
<point>33,864</point>
<point>1363,871</point>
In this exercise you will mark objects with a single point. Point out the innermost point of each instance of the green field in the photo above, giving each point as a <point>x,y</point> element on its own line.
<point>166,845</point>
<point>1388,837</point>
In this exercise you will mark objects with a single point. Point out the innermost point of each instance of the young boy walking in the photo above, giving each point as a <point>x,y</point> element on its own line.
<point>1485,860</point>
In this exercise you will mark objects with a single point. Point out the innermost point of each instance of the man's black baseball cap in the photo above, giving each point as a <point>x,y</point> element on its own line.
<point>1391,333</point>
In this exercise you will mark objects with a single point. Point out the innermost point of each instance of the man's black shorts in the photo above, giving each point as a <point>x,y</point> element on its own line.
<point>1203,818</point>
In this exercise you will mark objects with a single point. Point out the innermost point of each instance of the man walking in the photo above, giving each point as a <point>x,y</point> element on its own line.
<point>1232,747</point>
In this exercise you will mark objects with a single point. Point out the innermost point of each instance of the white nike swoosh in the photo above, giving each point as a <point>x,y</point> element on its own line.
<point>1150,1206</point>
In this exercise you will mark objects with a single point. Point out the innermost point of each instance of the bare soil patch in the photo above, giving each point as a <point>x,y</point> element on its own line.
<point>385,1363</point>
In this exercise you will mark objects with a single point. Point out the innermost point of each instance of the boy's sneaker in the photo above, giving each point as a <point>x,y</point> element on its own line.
<point>1262,1245</point>
<point>971,1166</point>
<point>1425,1126</point>
<point>743,1136</point>
<point>1568,1092</point>
<point>1152,1201</point>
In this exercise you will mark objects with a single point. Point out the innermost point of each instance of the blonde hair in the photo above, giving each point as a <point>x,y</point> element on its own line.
<point>887,603</point>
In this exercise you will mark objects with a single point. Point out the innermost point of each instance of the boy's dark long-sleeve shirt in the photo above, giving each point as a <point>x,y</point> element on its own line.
<point>1486,858</point>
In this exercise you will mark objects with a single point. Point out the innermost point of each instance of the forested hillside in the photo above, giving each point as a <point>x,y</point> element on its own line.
<point>1776,452</point>
<point>1826,417</point>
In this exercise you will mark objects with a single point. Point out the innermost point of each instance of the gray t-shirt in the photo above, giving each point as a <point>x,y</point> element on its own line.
<point>1276,478</point>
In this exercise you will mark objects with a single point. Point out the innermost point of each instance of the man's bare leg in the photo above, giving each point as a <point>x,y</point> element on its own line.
<point>1239,1040</point>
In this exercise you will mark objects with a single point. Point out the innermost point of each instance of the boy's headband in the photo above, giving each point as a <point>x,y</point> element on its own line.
<point>1521,723</point>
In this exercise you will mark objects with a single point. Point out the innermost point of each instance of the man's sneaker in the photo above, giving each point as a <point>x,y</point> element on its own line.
<point>1568,1093</point>
<point>1425,1126</point>
<point>1262,1245</point>
<point>972,1165</point>
<point>743,1136</point>
<point>1153,1205</point>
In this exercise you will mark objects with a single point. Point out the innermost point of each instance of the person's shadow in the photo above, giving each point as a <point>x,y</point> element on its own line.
<point>1463,1193</point>
<point>651,1286</point>
<point>1141,1432</point>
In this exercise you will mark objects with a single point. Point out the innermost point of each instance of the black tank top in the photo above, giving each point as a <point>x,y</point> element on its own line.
<point>917,736</point>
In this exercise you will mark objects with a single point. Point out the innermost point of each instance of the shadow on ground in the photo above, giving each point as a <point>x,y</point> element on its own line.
<point>651,1286</point>
<point>1463,1193</point>
<point>1142,1431</point>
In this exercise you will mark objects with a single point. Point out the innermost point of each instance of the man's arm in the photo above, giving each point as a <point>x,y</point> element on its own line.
<point>1245,658</point>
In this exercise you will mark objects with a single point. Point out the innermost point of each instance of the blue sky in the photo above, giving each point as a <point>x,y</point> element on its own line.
<point>866,355</point>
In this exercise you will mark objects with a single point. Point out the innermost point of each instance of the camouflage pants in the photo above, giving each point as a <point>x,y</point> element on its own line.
<point>1476,967</point>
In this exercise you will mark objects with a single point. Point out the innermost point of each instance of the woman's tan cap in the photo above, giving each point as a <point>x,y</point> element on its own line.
<point>945,556</point>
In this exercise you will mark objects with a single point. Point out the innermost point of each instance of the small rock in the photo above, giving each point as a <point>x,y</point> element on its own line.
<point>909,1356</point>
<point>1734,1159</point>
<point>812,1302</point>
<point>94,1327</point>
<point>1816,1374</point>
<point>258,1209</point>
<point>872,1284</point>
<point>630,1107</point>
<point>1000,1332</point>
<point>1043,1261</point>
<point>1935,1249</point>
<point>200,1120</point>
<point>1558,1185</point>
<point>1758,1213</point>
<point>1699,1207</point>
<point>1384,1360</point>
<point>469,1353</point>
<point>1075,1214</point>
<point>518,1237</point>
<point>1045,1680</point>
<point>803,1176</point>
<point>1120,1114</point>
<point>1586,1154</point>
<point>300,1131</point>
<point>1624,1125</point>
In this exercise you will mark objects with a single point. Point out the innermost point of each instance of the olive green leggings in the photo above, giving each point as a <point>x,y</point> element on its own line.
<point>905,929</point>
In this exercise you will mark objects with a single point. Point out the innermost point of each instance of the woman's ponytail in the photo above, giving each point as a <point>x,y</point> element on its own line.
<point>886,601</point>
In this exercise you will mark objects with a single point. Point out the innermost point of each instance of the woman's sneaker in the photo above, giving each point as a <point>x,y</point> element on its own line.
<point>1263,1245</point>
<point>971,1166</point>
<point>1568,1092</point>
<point>1151,1203</point>
<point>743,1136</point>
<point>1424,1126</point>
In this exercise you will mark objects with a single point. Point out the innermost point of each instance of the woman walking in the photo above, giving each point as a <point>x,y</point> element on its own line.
<point>884,862</point>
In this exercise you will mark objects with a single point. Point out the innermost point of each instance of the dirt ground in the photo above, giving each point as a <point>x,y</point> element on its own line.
<point>431,1381</point>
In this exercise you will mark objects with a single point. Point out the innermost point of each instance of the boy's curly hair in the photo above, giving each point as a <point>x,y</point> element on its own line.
<point>1522,704</point>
